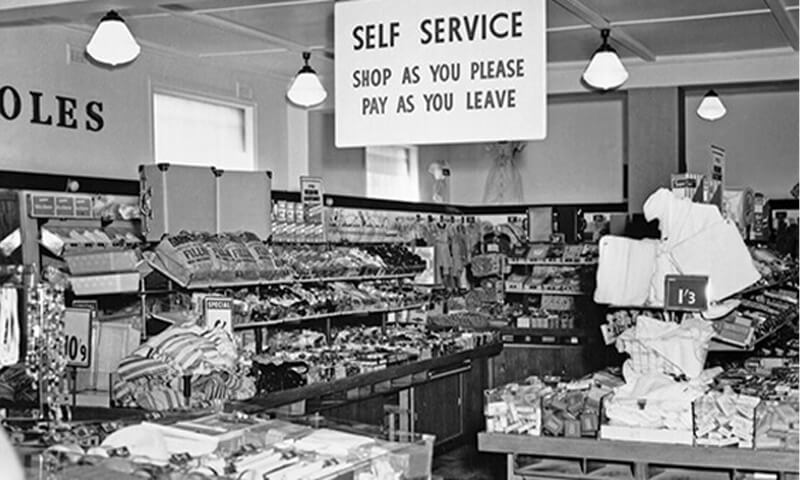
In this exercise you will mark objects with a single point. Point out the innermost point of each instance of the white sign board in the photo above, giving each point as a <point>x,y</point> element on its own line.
<point>439,71</point>
<point>218,313</point>
<point>78,337</point>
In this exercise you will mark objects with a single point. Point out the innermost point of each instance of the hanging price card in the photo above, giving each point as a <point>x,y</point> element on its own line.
<point>686,292</point>
<point>78,337</point>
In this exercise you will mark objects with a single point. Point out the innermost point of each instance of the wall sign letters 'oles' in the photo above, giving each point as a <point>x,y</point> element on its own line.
<point>57,110</point>
<point>464,28</point>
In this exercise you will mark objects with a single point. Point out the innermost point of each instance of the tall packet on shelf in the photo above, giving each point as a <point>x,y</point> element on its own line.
<point>185,257</point>
<point>224,266</point>
<point>245,264</point>
<point>265,262</point>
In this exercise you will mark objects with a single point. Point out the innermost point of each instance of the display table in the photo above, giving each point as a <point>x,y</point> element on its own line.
<point>364,385</point>
<point>640,454</point>
<point>442,396</point>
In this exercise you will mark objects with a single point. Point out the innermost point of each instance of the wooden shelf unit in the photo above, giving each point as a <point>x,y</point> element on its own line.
<point>641,455</point>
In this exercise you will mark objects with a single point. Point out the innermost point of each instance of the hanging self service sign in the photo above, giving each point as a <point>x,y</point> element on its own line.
<point>439,71</point>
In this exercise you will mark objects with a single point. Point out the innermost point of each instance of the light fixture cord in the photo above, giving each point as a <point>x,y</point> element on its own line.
<point>605,32</point>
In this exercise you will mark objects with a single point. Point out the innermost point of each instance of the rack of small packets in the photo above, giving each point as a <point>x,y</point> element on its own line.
<point>755,406</point>
<point>548,406</point>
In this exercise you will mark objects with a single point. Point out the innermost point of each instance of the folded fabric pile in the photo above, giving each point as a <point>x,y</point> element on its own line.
<point>664,375</point>
<point>665,347</point>
<point>654,401</point>
<point>152,376</point>
<point>695,240</point>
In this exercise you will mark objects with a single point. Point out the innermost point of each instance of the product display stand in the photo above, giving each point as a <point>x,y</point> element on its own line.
<point>640,455</point>
<point>560,349</point>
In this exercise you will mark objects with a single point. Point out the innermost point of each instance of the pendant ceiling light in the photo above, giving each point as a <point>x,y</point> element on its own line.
<point>605,70</point>
<point>306,90</point>
<point>112,43</point>
<point>711,107</point>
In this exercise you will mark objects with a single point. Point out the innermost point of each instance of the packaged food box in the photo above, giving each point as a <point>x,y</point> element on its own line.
<point>777,423</point>
<point>725,419</point>
<point>515,408</point>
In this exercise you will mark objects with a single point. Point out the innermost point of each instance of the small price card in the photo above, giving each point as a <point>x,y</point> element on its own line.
<point>686,292</point>
<point>78,337</point>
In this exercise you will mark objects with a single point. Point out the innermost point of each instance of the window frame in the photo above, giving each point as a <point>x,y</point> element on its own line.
<point>249,109</point>
<point>412,162</point>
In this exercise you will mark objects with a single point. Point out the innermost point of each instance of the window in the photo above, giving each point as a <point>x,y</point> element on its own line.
<point>392,173</point>
<point>192,130</point>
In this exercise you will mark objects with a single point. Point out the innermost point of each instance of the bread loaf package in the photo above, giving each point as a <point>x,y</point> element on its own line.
<point>185,257</point>
<point>245,264</point>
<point>267,269</point>
<point>223,264</point>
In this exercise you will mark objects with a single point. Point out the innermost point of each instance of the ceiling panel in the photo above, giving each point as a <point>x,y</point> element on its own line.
<point>576,45</point>
<point>285,64</point>
<point>621,10</point>
<point>309,24</point>
<point>178,25</point>
<point>559,17</point>
<point>218,5</point>
<point>183,34</point>
<point>730,34</point>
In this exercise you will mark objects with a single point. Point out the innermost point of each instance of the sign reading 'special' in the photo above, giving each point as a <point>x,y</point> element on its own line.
<point>439,71</point>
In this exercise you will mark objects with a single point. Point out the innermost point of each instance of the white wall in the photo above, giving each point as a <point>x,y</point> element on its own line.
<point>35,59</point>
<point>584,147</point>
<point>343,170</point>
<point>759,134</point>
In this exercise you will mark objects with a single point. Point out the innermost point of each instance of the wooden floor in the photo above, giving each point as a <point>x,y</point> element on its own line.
<point>466,463</point>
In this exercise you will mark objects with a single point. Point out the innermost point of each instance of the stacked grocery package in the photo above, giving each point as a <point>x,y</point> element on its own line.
<point>202,259</point>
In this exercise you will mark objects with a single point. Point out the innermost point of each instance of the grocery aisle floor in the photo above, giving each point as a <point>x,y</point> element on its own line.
<point>466,463</point>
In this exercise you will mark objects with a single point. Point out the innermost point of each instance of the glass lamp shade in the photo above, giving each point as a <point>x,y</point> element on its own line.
<point>711,107</point>
<point>112,43</point>
<point>605,70</point>
<point>306,90</point>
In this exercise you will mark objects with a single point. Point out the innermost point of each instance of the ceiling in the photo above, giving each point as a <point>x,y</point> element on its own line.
<point>267,36</point>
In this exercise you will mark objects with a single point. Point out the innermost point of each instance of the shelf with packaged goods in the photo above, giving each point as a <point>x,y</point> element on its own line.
<point>641,454</point>
<point>323,316</point>
<point>542,336</point>
<point>718,346</point>
<point>211,285</point>
<point>555,263</point>
<point>788,277</point>
<point>364,385</point>
<point>540,291</point>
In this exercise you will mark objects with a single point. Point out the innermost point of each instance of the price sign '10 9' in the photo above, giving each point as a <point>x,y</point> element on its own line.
<point>78,337</point>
